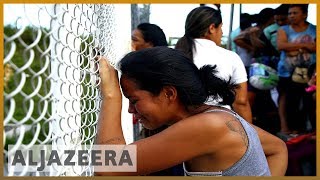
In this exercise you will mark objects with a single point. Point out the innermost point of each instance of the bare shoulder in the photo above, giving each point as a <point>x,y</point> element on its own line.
<point>205,122</point>
<point>224,127</point>
<point>197,130</point>
<point>209,125</point>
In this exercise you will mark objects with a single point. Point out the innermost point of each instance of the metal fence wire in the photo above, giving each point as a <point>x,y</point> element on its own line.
<point>51,82</point>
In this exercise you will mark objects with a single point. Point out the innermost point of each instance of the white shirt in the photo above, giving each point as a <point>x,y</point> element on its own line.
<point>229,64</point>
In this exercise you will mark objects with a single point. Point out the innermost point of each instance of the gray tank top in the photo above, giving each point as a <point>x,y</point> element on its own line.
<point>252,163</point>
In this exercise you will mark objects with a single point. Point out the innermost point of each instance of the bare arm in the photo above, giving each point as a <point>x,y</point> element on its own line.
<point>283,44</point>
<point>276,152</point>
<point>241,104</point>
<point>178,143</point>
<point>241,42</point>
<point>249,39</point>
<point>110,110</point>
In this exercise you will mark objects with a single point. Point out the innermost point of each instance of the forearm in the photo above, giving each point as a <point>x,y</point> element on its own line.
<point>243,109</point>
<point>241,104</point>
<point>278,161</point>
<point>311,47</point>
<point>109,129</point>
<point>286,46</point>
<point>241,43</point>
<point>275,151</point>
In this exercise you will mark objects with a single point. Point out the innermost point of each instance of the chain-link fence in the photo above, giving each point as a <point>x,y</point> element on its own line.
<point>51,94</point>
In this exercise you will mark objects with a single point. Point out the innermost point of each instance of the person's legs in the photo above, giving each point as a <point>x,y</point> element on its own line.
<point>283,113</point>
<point>282,105</point>
<point>310,107</point>
<point>266,111</point>
<point>297,116</point>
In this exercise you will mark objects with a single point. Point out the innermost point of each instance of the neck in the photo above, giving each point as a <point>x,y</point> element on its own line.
<point>207,38</point>
<point>300,25</point>
<point>197,110</point>
<point>187,112</point>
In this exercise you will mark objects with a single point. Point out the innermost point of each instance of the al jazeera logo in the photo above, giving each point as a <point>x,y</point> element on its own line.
<point>47,158</point>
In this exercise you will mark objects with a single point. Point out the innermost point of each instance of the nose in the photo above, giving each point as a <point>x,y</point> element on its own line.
<point>133,46</point>
<point>290,15</point>
<point>131,109</point>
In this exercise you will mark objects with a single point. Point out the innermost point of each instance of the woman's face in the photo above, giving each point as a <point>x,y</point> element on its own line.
<point>150,110</point>
<point>281,19</point>
<point>215,34</point>
<point>296,15</point>
<point>218,34</point>
<point>138,41</point>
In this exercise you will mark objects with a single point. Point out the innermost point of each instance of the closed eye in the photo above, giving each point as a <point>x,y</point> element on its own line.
<point>133,102</point>
<point>134,38</point>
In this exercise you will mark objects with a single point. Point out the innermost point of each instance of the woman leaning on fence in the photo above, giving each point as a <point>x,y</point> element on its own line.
<point>164,87</point>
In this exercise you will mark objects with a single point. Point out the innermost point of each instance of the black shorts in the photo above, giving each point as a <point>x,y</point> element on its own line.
<point>284,84</point>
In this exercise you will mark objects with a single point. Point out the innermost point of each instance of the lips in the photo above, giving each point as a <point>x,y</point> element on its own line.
<point>139,118</point>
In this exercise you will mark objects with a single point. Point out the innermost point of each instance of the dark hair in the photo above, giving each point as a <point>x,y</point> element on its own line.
<point>245,21</point>
<point>264,16</point>
<point>153,68</point>
<point>303,7</point>
<point>153,33</point>
<point>197,24</point>
<point>282,9</point>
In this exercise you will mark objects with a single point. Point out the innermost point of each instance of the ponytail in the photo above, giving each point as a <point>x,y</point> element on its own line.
<point>196,26</point>
<point>217,87</point>
<point>186,45</point>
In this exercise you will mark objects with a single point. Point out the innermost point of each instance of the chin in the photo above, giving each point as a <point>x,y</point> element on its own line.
<point>149,127</point>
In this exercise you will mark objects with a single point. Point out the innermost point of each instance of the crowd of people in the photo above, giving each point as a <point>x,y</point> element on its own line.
<point>202,116</point>
<point>283,39</point>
